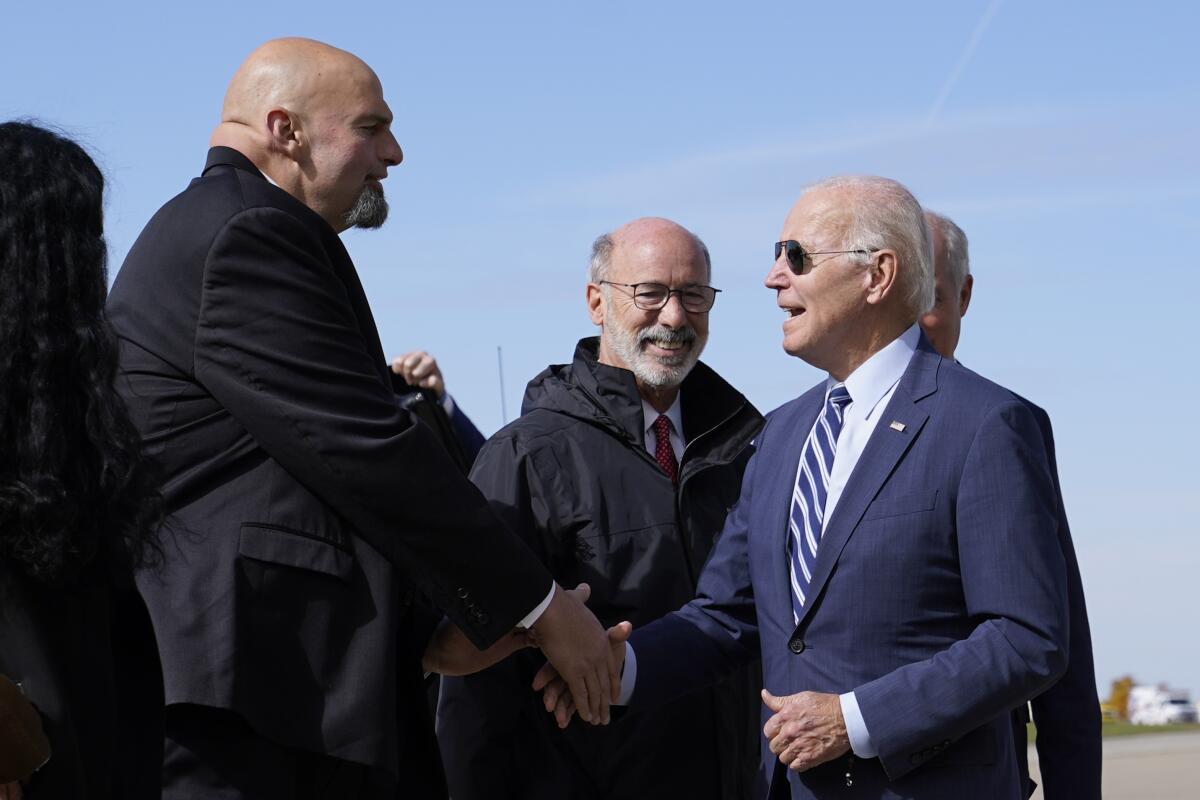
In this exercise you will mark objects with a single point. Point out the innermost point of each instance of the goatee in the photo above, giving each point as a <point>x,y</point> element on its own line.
<point>370,210</point>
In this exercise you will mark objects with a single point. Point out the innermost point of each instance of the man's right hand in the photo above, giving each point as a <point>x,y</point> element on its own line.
<point>573,640</point>
<point>556,696</point>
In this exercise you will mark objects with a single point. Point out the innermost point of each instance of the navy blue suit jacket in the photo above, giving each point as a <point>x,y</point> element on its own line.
<point>467,434</point>
<point>1067,715</point>
<point>938,594</point>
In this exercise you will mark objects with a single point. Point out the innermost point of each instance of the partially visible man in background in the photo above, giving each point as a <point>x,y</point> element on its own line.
<point>417,370</point>
<point>620,472</point>
<point>1067,715</point>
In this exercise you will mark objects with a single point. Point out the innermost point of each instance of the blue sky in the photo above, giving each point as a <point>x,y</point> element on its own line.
<point>1061,136</point>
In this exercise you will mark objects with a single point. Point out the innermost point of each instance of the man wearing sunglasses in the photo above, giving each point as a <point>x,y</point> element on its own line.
<point>893,557</point>
<point>621,469</point>
<point>1067,715</point>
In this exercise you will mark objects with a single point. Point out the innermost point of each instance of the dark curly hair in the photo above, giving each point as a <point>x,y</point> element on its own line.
<point>73,486</point>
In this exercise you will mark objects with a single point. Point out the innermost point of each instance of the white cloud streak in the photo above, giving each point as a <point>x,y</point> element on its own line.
<point>963,60</point>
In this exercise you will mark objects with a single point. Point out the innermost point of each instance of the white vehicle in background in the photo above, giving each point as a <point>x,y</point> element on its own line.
<point>1159,705</point>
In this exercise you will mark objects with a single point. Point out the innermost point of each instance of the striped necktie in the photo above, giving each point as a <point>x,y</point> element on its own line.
<point>808,498</point>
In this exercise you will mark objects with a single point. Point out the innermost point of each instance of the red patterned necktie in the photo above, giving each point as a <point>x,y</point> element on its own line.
<point>664,454</point>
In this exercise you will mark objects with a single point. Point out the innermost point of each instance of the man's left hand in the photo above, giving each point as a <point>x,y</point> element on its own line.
<point>806,729</point>
<point>420,369</point>
<point>450,652</point>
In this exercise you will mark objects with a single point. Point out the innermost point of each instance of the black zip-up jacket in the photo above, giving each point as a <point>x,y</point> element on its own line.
<point>573,476</point>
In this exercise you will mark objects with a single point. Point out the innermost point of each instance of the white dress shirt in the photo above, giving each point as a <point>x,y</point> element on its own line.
<point>675,416</point>
<point>871,386</point>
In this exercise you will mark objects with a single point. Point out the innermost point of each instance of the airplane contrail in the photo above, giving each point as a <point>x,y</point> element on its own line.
<point>968,51</point>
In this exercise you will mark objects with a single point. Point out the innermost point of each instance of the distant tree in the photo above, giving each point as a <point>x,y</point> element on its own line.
<point>1118,698</point>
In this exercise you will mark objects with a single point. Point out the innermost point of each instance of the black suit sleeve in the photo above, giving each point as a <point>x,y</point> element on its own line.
<point>278,345</point>
<point>484,726</point>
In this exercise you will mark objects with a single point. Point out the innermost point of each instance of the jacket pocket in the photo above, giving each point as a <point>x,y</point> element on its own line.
<point>913,503</point>
<point>292,548</point>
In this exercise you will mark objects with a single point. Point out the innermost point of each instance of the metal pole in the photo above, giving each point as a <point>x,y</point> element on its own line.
<point>500,366</point>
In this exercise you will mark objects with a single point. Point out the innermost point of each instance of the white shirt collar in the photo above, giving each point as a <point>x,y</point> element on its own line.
<point>878,374</point>
<point>674,414</point>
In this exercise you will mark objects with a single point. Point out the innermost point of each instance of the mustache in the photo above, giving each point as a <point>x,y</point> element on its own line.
<point>661,333</point>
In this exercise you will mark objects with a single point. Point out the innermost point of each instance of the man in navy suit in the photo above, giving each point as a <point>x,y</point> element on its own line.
<point>893,557</point>
<point>419,369</point>
<point>1067,715</point>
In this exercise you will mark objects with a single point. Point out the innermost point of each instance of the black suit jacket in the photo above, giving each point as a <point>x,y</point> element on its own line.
<point>310,516</point>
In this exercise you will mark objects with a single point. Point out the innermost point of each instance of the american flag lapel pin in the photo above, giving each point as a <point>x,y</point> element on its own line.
<point>897,426</point>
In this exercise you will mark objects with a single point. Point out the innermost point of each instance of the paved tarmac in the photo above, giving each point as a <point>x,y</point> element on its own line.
<point>1152,766</point>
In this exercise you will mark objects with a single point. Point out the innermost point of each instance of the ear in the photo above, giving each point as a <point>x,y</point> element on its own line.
<point>283,133</point>
<point>595,303</point>
<point>880,276</point>
<point>964,295</point>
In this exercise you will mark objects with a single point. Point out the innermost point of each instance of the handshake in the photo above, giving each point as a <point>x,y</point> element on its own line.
<point>583,666</point>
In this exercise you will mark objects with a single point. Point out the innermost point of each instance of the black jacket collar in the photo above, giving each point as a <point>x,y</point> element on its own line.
<point>608,396</point>
<point>228,157</point>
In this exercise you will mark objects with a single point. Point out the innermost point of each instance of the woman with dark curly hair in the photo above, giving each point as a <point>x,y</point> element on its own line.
<point>77,504</point>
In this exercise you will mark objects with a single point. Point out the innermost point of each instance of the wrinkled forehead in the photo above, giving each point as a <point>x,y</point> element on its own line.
<point>820,218</point>
<point>673,258</point>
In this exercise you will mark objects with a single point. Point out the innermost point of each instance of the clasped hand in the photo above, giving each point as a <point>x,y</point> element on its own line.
<point>571,638</point>
<point>806,729</point>
<point>559,697</point>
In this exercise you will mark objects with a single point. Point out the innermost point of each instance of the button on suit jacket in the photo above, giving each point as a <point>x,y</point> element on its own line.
<point>938,594</point>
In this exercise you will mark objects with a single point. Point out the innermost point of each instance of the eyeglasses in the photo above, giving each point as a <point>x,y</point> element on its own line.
<point>796,254</point>
<point>652,296</point>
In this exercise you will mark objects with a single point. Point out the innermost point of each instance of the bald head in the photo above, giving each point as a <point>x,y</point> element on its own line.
<point>297,74</point>
<point>312,117</point>
<point>642,234</point>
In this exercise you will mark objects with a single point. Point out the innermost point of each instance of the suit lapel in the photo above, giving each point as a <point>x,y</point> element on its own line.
<point>344,268</point>
<point>883,452</point>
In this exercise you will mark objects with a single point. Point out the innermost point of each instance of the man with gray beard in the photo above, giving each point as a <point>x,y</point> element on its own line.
<point>620,472</point>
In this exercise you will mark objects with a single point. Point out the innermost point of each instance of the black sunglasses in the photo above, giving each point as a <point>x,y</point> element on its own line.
<point>796,255</point>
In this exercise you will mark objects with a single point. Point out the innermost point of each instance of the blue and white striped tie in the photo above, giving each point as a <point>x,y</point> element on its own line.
<point>807,519</point>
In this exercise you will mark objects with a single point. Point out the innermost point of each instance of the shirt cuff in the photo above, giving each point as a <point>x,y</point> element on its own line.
<point>532,617</point>
<point>856,727</point>
<point>447,404</point>
<point>628,676</point>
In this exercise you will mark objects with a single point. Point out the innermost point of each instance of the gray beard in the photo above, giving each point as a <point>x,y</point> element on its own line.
<point>648,369</point>
<point>370,210</point>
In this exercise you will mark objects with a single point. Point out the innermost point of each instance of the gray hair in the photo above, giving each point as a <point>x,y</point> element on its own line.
<point>602,250</point>
<point>601,258</point>
<point>958,259</point>
<point>884,214</point>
